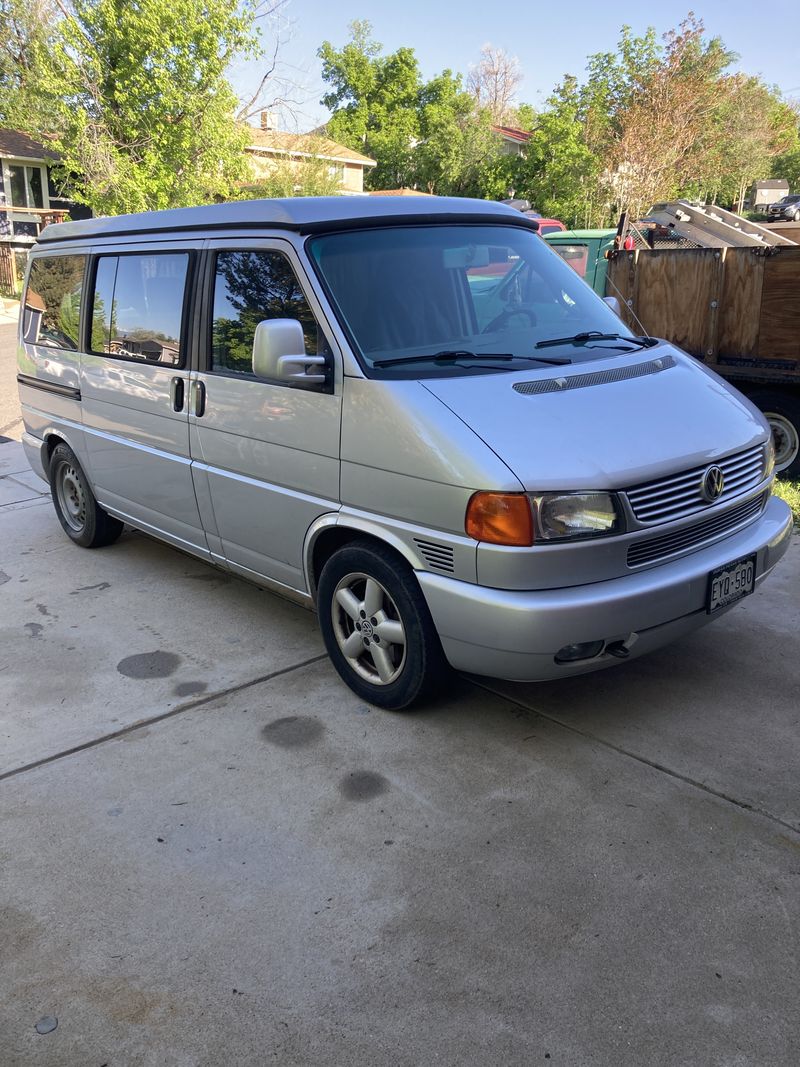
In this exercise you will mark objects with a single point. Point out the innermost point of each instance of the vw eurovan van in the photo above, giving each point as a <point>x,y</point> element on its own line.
<point>413,416</point>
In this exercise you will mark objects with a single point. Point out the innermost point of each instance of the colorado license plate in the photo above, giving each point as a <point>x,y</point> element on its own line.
<point>730,583</point>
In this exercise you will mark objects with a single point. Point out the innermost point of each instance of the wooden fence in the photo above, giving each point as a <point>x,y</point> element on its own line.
<point>736,308</point>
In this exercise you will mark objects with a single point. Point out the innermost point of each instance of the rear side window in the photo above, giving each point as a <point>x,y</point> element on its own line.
<point>137,307</point>
<point>248,288</point>
<point>576,255</point>
<point>52,310</point>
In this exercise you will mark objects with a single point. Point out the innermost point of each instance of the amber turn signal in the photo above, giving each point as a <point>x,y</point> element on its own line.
<point>500,519</point>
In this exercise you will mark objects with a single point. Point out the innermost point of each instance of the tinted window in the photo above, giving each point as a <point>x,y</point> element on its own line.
<point>407,291</point>
<point>53,301</point>
<point>138,306</point>
<point>250,287</point>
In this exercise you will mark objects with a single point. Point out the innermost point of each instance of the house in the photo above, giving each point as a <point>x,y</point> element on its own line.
<point>29,199</point>
<point>767,192</point>
<point>268,148</point>
<point>513,141</point>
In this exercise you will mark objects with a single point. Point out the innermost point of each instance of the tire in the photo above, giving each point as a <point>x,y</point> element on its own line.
<point>782,412</point>
<point>377,628</point>
<point>81,517</point>
<point>797,216</point>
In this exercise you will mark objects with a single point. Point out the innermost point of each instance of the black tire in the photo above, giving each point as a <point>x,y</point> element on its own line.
<point>782,411</point>
<point>81,517</point>
<point>413,668</point>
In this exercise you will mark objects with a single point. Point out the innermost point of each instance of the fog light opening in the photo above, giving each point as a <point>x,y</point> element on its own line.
<point>584,650</point>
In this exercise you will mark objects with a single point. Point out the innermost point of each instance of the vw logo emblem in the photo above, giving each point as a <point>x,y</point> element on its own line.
<point>712,484</point>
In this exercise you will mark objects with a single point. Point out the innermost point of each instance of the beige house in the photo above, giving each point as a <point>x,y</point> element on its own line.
<point>270,148</point>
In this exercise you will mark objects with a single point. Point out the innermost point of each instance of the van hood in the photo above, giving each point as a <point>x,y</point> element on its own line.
<point>607,424</point>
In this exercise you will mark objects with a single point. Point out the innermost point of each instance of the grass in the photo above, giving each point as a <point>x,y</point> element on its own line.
<point>790,492</point>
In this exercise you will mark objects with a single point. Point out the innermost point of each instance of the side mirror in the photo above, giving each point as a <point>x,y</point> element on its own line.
<point>614,304</point>
<point>279,354</point>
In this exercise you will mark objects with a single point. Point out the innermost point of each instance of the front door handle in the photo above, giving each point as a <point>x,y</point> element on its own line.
<point>176,394</point>
<point>198,401</point>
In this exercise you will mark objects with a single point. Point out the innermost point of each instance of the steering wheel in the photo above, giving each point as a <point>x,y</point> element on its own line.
<point>499,321</point>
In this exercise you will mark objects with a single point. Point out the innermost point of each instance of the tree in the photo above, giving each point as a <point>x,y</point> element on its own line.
<point>139,103</point>
<point>27,29</point>
<point>493,82</point>
<point>559,172</point>
<point>373,98</point>
<point>421,134</point>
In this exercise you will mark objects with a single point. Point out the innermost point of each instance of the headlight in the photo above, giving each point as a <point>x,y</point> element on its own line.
<point>564,516</point>
<point>769,458</point>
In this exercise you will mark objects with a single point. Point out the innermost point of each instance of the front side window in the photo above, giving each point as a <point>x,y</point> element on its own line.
<point>250,287</point>
<point>418,292</point>
<point>138,306</point>
<point>51,314</point>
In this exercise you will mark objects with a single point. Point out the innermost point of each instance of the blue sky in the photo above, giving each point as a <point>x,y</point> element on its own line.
<point>549,40</point>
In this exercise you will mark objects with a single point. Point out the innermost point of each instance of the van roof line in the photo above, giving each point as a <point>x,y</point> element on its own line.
<point>299,214</point>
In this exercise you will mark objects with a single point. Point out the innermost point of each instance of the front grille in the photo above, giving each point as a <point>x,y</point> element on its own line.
<point>439,557</point>
<point>678,495</point>
<point>656,548</point>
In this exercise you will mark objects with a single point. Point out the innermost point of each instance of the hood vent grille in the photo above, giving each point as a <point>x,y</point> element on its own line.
<point>438,557</point>
<point>600,377</point>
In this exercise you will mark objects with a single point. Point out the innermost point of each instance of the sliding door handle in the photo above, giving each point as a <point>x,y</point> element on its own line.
<point>176,394</point>
<point>198,399</point>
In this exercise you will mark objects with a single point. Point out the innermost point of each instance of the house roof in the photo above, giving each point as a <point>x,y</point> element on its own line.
<point>398,192</point>
<point>17,143</point>
<point>303,214</point>
<point>513,134</point>
<point>278,142</point>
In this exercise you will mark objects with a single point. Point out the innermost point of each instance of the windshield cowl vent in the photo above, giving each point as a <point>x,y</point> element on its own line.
<point>601,377</point>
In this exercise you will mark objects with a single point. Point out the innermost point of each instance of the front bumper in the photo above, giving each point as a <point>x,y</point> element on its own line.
<point>516,635</point>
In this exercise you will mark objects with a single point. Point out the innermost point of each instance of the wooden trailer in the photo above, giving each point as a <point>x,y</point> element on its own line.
<point>736,309</point>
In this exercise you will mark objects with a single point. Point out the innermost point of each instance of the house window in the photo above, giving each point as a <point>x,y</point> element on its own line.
<point>26,186</point>
<point>336,171</point>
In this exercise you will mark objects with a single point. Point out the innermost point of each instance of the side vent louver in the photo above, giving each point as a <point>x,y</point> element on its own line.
<point>438,557</point>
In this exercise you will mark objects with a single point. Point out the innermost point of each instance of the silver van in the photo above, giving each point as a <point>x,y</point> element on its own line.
<point>411,414</point>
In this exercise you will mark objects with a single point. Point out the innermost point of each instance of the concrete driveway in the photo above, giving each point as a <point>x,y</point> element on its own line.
<point>212,852</point>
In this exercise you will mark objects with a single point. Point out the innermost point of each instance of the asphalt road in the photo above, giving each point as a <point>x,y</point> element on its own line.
<point>212,852</point>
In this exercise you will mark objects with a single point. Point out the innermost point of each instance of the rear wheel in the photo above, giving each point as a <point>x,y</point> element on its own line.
<point>782,412</point>
<point>377,627</point>
<point>81,517</point>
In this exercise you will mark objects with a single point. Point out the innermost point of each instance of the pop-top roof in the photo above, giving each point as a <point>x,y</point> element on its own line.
<point>301,214</point>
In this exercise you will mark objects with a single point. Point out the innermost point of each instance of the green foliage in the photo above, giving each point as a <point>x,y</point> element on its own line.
<point>374,103</point>
<point>429,135</point>
<point>27,30</point>
<point>559,172</point>
<point>139,100</point>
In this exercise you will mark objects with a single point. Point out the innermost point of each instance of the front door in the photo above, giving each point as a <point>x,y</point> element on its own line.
<point>134,385</point>
<point>265,454</point>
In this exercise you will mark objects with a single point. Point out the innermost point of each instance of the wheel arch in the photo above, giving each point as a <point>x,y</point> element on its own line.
<point>331,532</point>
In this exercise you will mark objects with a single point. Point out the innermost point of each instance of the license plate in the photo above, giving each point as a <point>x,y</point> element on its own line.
<point>730,583</point>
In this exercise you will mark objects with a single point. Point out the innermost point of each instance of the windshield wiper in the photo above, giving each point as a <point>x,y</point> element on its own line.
<point>595,335</point>
<point>447,356</point>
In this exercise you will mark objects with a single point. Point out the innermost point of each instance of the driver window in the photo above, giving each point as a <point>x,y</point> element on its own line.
<point>250,287</point>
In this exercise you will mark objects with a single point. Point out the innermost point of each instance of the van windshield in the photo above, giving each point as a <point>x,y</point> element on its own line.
<point>407,292</point>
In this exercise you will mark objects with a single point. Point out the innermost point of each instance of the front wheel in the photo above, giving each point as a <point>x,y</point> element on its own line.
<point>782,412</point>
<point>377,627</point>
<point>81,517</point>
